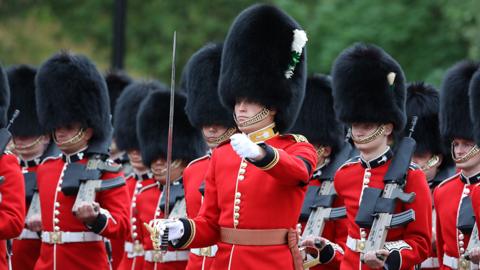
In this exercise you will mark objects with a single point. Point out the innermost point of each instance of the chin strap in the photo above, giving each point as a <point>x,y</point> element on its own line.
<point>433,161</point>
<point>370,138</point>
<point>473,151</point>
<point>28,146</point>
<point>74,140</point>
<point>254,119</point>
<point>225,136</point>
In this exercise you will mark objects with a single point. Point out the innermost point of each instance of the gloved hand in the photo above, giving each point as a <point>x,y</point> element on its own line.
<point>245,148</point>
<point>175,228</point>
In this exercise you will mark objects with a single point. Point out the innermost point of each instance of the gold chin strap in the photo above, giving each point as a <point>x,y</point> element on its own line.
<point>225,136</point>
<point>75,139</point>
<point>433,161</point>
<point>25,147</point>
<point>473,151</point>
<point>320,151</point>
<point>377,133</point>
<point>254,119</point>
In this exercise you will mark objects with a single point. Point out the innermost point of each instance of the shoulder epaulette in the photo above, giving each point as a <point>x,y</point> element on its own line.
<point>51,158</point>
<point>198,159</point>
<point>349,162</point>
<point>296,137</point>
<point>448,179</point>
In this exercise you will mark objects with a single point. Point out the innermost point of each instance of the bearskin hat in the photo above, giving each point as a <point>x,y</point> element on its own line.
<point>21,79</point>
<point>125,116</point>
<point>152,129</point>
<point>423,102</point>
<point>116,82</point>
<point>201,85</point>
<point>317,120</point>
<point>361,90</point>
<point>474,92</point>
<point>256,57</point>
<point>455,121</point>
<point>4,97</point>
<point>70,89</point>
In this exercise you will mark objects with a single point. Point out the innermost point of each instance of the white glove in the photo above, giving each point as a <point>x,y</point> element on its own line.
<point>244,147</point>
<point>175,228</point>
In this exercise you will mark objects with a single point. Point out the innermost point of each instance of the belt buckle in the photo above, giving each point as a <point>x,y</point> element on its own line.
<point>137,248</point>
<point>55,237</point>
<point>360,245</point>
<point>463,264</point>
<point>206,251</point>
<point>157,256</point>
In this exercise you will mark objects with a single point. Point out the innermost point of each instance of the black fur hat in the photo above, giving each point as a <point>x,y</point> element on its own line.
<point>455,121</point>
<point>4,97</point>
<point>116,80</point>
<point>361,90</point>
<point>201,85</point>
<point>474,91</point>
<point>21,79</point>
<point>256,56</point>
<point>70,89</point>
<point>317,120</point>
<point>152,129</point>
<point>125,116</point>
<point>423,102</point>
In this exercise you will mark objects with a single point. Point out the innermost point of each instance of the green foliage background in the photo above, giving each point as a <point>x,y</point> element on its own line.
<point>425,36</point>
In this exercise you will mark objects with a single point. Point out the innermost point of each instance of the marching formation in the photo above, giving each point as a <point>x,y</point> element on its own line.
<point>256,164</point>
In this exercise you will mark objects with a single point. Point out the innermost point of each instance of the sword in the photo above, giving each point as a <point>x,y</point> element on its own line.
<point>166,212</point>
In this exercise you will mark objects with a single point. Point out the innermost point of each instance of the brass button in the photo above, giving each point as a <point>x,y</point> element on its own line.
<point>241,177</point>
<point>238,195</point>
<point>237,201</point>
<point>236,208</point>
<point>235,222</point>
<point>242,171</point>
<point>236,215</point>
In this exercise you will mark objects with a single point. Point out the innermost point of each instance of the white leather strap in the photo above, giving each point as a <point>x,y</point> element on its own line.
<point>170,256</point>
<point>358,245</point>
<point>134,249</point>
<point>70,237</point>
<point>27,234</point>
<point>206,251</point>
<point>431,262</point>
<point>453,262</point>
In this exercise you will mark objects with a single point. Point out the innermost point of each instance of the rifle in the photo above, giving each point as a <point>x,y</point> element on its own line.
<point>474,242</point>
<point>90,183</point>
<point>5,137</point>
<point>384,201</point>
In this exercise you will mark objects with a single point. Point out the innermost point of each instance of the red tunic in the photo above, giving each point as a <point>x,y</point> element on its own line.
<point>413,240</point>
<point>193,177</point>
<point>79,255</point>
<point>12,204</point>
<point>447,199</point>
<point>147,204</point>
<point>26,251</point>
<point>268,195</point>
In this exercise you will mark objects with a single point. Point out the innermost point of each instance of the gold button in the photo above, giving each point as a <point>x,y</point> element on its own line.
<point>460,243</point>
<point>236,208</point>
<point>134,204</point>
<point>366,181</point>
<point>466,191</point>
<point>134,227</point>
<point>241,177</point>
<point>242,171</point>
<point>57,204</point>
<point>56,220</point>
<point>361,246</point>
<point>57,212</point>
<point>460,236</point>
<point>243,165</point>
<point>367,174</point>
<point>59,189</point>
<point>237,201</point>
<point>134,220</point>
<point>235,222</point>
<point>56,228</point>
<point>134,235</point>
<point>236,215</point>
<point>462,250</point>
<point>238,195</point>
<point>363,234</point>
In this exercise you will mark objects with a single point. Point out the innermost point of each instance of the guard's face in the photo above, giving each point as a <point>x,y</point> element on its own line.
<point>135,158</point>
<point>159,169</point>
<point>428,163</point>
<point>72,138</point>
<point>211,134</point>
<point>362,131</point>
<point>30,147</point>
<point>244,110</point>
<point>462,147</point>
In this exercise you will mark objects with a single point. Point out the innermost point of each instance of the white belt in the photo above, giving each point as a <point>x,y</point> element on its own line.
<point>169,256</point>
<point>133,249</point>
<point>70,237</point>
<point>431,262</point>
<point>456,263</point>
<point>206,251</point>
<point>27,234</point>
<point>358,245</point>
